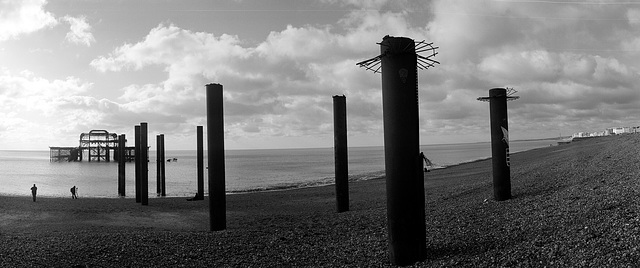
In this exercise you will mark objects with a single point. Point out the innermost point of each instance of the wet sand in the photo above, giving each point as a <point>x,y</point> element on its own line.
<point>573,205</point>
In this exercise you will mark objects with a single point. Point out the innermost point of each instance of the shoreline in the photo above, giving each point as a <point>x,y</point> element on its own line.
<point>326,181</point>
<point>572,205</point>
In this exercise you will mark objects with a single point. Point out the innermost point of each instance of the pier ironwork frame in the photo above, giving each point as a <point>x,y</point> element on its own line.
<point>97,145</point>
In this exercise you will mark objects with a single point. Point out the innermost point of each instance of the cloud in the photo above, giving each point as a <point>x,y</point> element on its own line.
<point>19,17</point>
<point>80,31</point>
<point>41,112</point>
<point>562,59</point>
<point>280,87</point>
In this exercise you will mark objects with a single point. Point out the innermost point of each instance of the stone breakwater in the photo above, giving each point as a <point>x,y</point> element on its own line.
<point>574,205</point>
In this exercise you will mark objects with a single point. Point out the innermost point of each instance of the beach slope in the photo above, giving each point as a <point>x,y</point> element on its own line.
<point>573,205</point>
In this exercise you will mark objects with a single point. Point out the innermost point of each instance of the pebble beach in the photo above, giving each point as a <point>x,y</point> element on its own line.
<point>573,205</point>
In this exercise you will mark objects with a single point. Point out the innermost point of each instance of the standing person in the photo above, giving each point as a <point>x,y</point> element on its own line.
<point>34,190</point>
<point>73,192</point>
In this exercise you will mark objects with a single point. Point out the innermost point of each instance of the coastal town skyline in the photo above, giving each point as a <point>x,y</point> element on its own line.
<point>68,67</point>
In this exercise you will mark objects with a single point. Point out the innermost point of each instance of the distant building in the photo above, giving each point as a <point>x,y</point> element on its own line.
<point>618,130</point>
<point>608,131</point>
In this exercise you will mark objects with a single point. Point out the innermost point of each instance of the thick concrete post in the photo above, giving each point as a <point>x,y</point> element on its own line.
<point>403,163</point>
<point>144,164</point>
<point>163,177</point>
<point>121,165</point>
<point>215,144</point>
<point>200,145</point>
<point>340,152</point>
<point>158,172</point>
<point>500,144</point>
<point>138,163</point>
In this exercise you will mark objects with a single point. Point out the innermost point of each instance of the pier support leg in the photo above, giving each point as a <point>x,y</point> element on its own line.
<point>340,152</point>
<point>144,164</point>
<point>163,176</point>
<point>215,138</point>
<point>404,175</point>
<point>121,165</point>
<point>158,172</point>
<point>138,163</point>
<point>200,145</point>
<point>500,144</point>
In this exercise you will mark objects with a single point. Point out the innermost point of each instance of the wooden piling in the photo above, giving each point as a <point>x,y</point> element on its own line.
<point>138,163</point>
<point>144,164</point>
<point>158,172</point>
<point>500,144</point>
<point>121,165</point>
<point>340,152</point>
<point>163,176</point>
<point>403,162</point>
<point>200,147</point>
<point>215,144</point>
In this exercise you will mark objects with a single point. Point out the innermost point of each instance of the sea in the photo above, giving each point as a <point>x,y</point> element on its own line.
<point>245,170</point>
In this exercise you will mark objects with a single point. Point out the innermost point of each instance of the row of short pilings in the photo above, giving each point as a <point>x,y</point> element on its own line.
<point>141,164</point>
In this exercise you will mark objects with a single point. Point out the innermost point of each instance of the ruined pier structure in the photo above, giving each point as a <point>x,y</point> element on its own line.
<point>95,146</point>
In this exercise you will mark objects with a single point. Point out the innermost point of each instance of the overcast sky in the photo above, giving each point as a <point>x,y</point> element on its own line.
<point>70,66</point>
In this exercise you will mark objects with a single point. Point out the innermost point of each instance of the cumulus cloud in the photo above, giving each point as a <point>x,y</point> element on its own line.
<point>80,31</point>
<point>282,86</point>
<point>564,60</point>
<point>18,17</point>
<point>43,112</point>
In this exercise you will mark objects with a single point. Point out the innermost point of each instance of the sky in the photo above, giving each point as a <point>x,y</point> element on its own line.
<point>70,66</point>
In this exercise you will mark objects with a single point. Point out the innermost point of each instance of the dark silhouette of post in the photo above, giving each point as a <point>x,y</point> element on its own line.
<point>158,161</point>
<point>215,144</point>
<point>144,164</point>
<point>200,145</point>
<point>403,163</point>
<point>340,152</point>
<point>500,144</point>
<point>497,99</point>
<point>163,176</point>
<point>138,163</point>
<point>121,164</point>
<point>399,63</point>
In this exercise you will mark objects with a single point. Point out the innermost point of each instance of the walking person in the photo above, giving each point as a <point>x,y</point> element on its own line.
<point>73,192</point>
<point>34,190</point>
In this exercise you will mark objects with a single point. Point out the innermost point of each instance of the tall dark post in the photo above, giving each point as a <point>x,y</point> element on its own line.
<point>158,172</point>
<point>215,144</point>
<point>500,144</point>
<point>138,163</point>
<point>163,177</point>
<point>200,145</point>
<point>399,61</point>
<point>340,152</point>
<point>403,163</point>
<point>121,165</point>
<point>144,164</point>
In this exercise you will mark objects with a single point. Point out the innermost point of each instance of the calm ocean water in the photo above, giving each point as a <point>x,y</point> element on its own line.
<point>246,170</point>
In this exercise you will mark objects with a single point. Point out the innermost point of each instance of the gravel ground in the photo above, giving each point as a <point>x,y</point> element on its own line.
<point>574,205</point>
